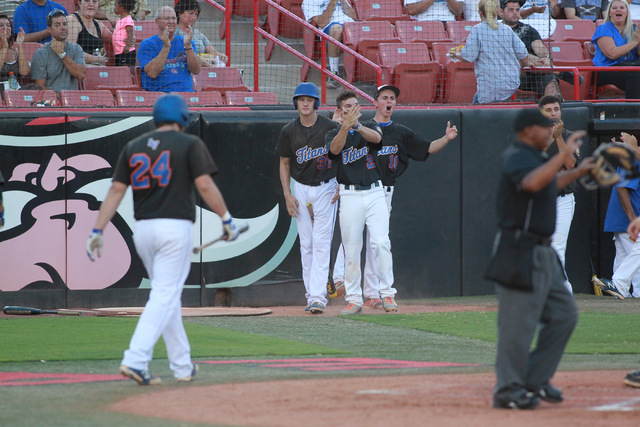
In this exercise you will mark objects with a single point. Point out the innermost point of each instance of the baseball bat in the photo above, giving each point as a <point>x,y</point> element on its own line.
<point>28,311</point>
<point>243,227</point>
<point>594,277</point>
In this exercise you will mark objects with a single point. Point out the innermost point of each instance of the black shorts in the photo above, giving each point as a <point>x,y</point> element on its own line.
<point>536,82</point>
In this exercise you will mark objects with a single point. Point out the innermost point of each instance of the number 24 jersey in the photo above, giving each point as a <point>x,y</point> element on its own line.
<point>161,167</point>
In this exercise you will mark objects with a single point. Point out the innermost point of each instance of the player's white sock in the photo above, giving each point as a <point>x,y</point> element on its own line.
<point>333,64</point>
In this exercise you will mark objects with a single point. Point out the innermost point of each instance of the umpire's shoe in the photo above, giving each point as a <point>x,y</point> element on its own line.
<point>633,379</point>
<point>142,377</point>
<point>526,400</point>
<point>548,393</point>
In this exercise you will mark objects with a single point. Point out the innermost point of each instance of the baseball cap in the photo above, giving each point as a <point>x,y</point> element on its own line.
<point>503,3</point>
<point>531,117</point>
<point>387,87</point>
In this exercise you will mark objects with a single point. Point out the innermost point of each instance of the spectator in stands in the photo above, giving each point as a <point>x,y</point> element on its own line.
<point>584,9</point>
<point>124,40</point>
<point>434,10</point>
<point>497,53</point>
<point>59,64</point>
<point>31,16</point>
<point>617,43</point>
<point>88,32</point>
<point>543,84</point>
<point>8,7</point>
<point>188,12</point>
<point>536,14</point>
<point>330,15</point>
<point>107,10</point>
<point>167,60</point>
<point>12,59</point>
<point>634,10</point>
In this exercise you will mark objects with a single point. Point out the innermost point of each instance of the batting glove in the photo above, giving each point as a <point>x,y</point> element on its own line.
<point>95,242</point>
<point>230,229</point>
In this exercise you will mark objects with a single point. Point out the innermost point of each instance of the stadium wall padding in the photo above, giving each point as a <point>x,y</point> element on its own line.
<point>57,166</point>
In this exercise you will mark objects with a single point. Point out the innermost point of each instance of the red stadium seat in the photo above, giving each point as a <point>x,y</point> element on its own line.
<point>458,79</point>
<point>30,48</point>
<point>568,30</point>
<point>219,80</point>
<point>589,50</point>
<point>440,50</point>
<point>364,38</point>
<point>242,8</point>
<point>144,29</point>
<point>412,71</point>
<point>567,51</point>
<point>381,10</point>
<point>86,98</point>
<point>130,98</point>
<point>108,78</point>
<point>311,48</point>
<point>205,99</point>
<point>250,98</point>
<point>28,98</point>
<point>281,25</point>
<point>428,32</point>
<point>459,30</point>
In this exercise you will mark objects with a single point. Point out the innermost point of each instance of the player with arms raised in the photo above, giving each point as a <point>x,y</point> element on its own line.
<point>164,168</point>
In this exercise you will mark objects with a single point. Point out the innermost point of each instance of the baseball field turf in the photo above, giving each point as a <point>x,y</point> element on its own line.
<point>61,371</point>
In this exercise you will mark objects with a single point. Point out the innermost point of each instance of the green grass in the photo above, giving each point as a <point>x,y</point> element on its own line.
<point>94,338</point>
<point>596,333</point>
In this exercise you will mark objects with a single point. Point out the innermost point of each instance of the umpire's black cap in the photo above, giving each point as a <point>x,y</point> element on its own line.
<point>387,87</point>
<point>531,117</point>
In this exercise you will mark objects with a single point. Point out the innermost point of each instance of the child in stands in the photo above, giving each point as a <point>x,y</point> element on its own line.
<point>124,41</point>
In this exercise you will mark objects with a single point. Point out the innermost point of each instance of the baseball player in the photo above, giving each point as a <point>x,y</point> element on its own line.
<point>164,168</point>
<point>1,205</point>
<point>551,106</point>
<point>399,144</point>
<point>353,145</point>
<point>304,157</point>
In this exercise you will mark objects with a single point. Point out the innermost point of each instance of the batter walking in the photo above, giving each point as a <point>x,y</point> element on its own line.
<point>304,157</point>
<point>361,201</point>
<point>164,168</point>
<point>531,291</point>
<point>399,144</point>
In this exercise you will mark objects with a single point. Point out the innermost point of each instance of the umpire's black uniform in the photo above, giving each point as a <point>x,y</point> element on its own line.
<point>523,376</point>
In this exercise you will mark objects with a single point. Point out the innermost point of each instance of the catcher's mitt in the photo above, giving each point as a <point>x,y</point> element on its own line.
<point>609,158</point>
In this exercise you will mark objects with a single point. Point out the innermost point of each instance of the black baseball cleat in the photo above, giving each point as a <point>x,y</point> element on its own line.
<point>548,393</point>
<point>527,400</point>
<point>633,379</point>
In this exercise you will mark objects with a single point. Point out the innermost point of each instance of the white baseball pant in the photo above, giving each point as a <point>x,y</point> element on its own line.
<point>626,265</point>
<point>164,246</point>
<point>357,209</point>
<point>315,240</point>
<point>565,208</point>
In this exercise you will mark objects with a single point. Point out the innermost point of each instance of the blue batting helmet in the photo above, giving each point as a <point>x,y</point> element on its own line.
<point>307,89</point>
<point>171,108</point>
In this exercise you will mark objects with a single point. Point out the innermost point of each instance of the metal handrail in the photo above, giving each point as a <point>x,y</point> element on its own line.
<point>323,60</point>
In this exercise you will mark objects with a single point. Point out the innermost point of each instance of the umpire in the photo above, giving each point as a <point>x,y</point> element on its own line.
<point>531,289</point>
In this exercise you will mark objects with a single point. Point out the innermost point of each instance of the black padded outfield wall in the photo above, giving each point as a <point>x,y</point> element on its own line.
<point>58,169</point>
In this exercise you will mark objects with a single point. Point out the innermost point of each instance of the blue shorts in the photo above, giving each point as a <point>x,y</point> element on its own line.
<point>328,27</point>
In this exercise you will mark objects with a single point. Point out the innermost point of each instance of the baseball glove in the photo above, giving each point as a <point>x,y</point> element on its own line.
<point>609,158</point>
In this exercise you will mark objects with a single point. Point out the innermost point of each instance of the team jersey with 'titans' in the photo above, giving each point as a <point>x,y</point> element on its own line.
<point>356,161</point>
<point>304,146</point>
<point>399,144</point>
<point>161,167</point>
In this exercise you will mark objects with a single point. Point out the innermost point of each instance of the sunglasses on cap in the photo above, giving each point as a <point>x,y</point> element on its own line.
<point>56,12</point>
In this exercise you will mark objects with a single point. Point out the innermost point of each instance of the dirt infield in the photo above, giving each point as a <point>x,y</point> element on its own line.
<point>594,399</point>
<point>334,310</point>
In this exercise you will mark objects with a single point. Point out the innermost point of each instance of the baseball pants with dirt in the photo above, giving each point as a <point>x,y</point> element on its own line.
<point>626,265</point>
<point>357,209</point>
<point>164,246</point>
<point>315,236</point>
<point>565,208</point>
<point>550,307</point>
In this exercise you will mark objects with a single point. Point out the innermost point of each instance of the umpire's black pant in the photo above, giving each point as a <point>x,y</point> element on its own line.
<point>550,306</point>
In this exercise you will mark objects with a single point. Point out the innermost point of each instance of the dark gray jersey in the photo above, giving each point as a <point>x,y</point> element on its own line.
<point>161,167</point>
<point>305,147</point>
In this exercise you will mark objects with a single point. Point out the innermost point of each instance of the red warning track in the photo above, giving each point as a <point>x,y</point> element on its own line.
<point>28,378</point>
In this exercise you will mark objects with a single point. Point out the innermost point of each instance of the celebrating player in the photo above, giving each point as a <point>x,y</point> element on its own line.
<point>361,201</point>
<point>399,144</point>
<point>163,167</point>
<point>303,157</point>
